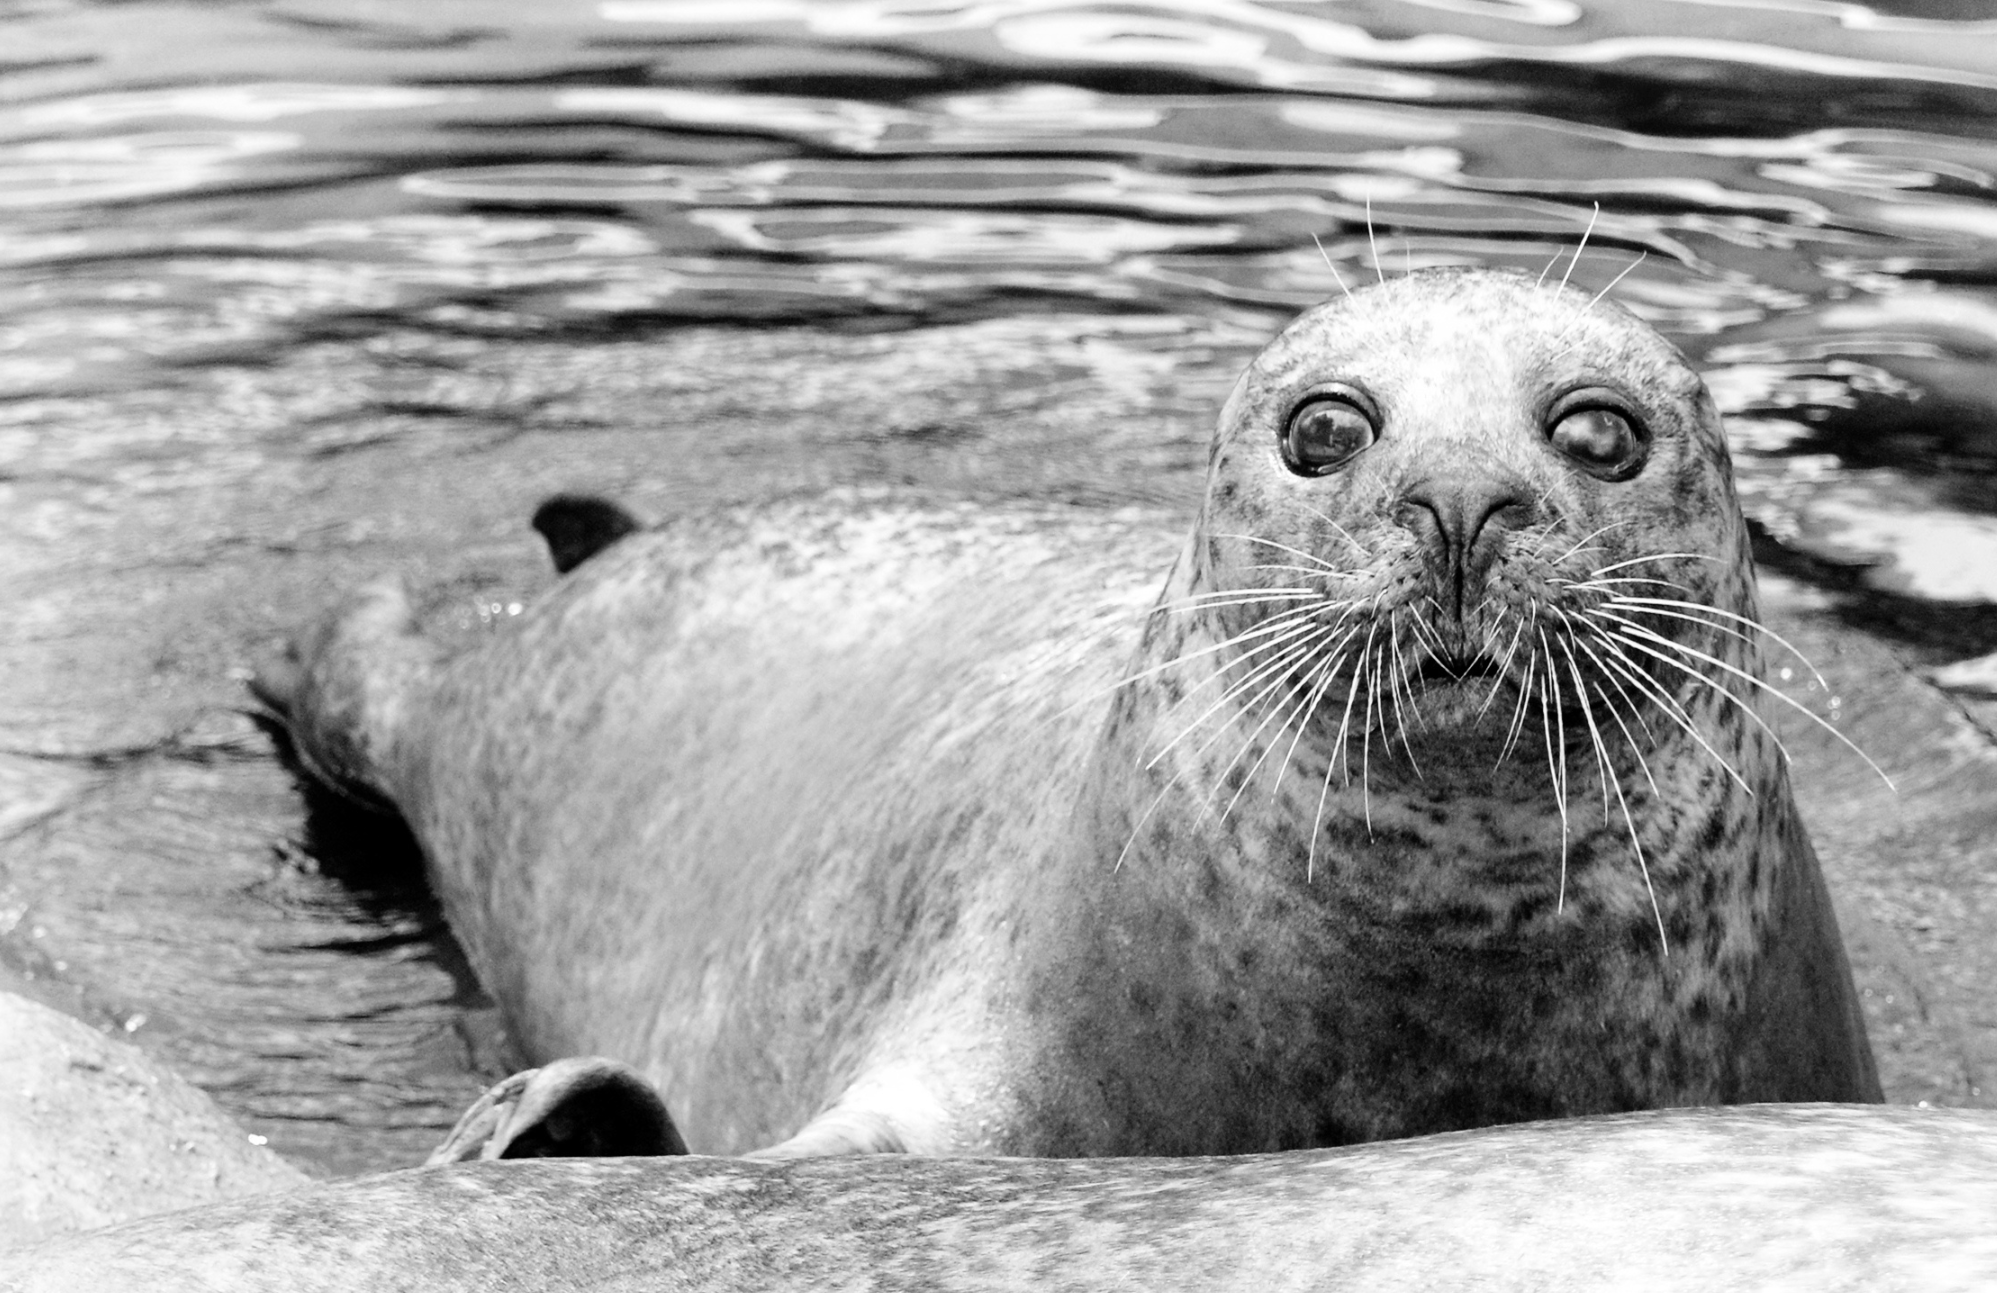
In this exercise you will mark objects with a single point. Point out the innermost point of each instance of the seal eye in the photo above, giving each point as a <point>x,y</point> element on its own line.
<point>1602,441</point>
<point>1324,434</point>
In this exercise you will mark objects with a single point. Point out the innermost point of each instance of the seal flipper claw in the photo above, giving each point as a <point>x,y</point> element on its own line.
<point>578,526</point>
<point>578,1107</point>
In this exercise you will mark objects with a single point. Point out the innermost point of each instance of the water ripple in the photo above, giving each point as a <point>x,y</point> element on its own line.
<point>249,252</point>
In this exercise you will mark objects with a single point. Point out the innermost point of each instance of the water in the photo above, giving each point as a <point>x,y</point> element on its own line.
<point>291,293</point>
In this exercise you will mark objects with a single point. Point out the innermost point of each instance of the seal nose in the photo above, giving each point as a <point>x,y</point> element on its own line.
<point>1453,514</point>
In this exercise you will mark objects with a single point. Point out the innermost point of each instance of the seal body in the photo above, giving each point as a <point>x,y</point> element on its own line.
<point>1431,792</point>
<point>1819,1198</point>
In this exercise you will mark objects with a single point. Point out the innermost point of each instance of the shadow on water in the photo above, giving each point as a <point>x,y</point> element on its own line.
<point>363,846</point>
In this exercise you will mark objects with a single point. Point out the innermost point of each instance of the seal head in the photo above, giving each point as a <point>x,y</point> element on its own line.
<point>1462,520</point>
<point>1453,701</point>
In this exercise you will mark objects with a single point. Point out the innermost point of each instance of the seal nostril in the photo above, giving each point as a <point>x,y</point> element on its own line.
<point>1508,513</point>
<point>1461,518</point>
<point>1457,510</point>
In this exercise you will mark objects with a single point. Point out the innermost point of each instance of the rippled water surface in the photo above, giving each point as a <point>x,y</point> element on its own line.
<point>294,292</point>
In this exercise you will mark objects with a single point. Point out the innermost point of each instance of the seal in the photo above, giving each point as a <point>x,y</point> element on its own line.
<point>1834,1197</point>
<point>1432,791</point>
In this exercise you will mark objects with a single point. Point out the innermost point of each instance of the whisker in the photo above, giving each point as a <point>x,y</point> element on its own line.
<point>1138,829</point>
<point>1608,585</point>
<point>1299,570</point>
<point>1219,594</point>
<point>1309,691</point>
<point>1581,246</point>
<point>1617,605</point>
<point>1580,633</point>
<point>1636,847</point>
<point>1343,533</point>
<point>1248,742</point>
<point>1657,556</point>
<point>1755,624</point>
<point>1521,710</point>
<point>1399,676</point>
<point>1313,558</point>
<point>1325,677</point>
<point>1636,844</point>
<point>1635,749</point>
<point>1293,654</point>
<point>1282,626</point>
<point>1238,597</point>
<point>1338,277</point>
<point>1582,313</point>
<point>1377,271</point>
<point>1540,282</point>
<point>1753,681</point>
<point>1628,637</point>
<point>1556,774</point>
<point>1338,747</point>
<point>1588,538</point>
<point>1588,716</point>
<point>1640,256</point>
<point>1425,634</point>
<point>1373,667</point>
<point>1550,715</point>
<point>1504,667</point>
<point>1619,662</point>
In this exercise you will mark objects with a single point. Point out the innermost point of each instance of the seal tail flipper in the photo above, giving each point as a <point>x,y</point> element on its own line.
<point>579,1107</point>
<point>578,526</point>
<point>343,688</point>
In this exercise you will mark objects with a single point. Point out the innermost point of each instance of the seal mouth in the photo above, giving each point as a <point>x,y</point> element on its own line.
<point>1442,671</point>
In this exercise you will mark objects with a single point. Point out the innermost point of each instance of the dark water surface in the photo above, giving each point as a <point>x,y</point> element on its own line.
<point>293,293</point>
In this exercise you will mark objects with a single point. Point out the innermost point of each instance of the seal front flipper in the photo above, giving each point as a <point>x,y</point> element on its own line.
<point>578,526</point>
<point>343,690</point>
<point>892,1109</point>
<point>578,1107</point>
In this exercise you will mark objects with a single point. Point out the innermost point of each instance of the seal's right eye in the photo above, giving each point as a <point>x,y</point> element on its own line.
<point>1324,434</point>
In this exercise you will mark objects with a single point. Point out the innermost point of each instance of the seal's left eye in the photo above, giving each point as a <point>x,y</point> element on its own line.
<point>1601,441</point>
<point>1324,434</point>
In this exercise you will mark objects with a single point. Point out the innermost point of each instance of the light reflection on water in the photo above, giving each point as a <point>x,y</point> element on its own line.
<point>238,241</point>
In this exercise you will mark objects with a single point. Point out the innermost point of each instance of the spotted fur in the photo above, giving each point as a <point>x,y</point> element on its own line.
<point>1542,831</point>
<point>862,826</point>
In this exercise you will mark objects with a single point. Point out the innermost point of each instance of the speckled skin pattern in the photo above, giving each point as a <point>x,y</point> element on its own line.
<point>864,826</point>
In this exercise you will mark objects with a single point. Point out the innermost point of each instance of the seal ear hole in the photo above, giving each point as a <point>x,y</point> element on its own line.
<point>1603,440</point>
<point>1326,432</point>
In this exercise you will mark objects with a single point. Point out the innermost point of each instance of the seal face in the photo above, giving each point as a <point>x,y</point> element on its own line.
<point>1431,792</point>
<point>1460,519</point>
